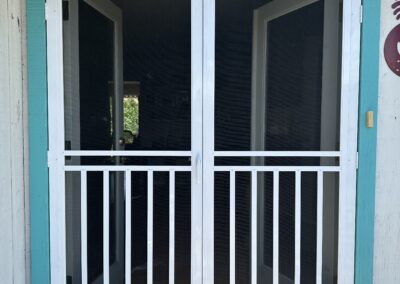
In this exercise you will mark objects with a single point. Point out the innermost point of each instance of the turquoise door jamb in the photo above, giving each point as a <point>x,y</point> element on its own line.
<point>38,141</point>
<point>369,88</point>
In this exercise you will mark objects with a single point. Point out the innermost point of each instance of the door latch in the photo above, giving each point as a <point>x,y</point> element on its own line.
<point>199,165</point>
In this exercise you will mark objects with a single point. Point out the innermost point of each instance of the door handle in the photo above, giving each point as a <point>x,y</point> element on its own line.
<point>199,165</point>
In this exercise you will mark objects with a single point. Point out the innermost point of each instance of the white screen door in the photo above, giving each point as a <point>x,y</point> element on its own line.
<point>202,141</point>
<point>280,148</point>
<point>125,129</point>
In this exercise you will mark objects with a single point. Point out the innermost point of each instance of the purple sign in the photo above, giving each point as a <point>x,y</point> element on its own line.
<point>392,43</point>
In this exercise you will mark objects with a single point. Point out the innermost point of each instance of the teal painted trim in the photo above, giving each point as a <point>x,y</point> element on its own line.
<point>369,88</point>
<point>38,171</point>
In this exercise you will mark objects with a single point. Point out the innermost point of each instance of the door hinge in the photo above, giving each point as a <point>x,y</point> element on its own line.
<point>46,11</point>
<point>51,159</point>
<point>356,160</point>
<point>361,13</point>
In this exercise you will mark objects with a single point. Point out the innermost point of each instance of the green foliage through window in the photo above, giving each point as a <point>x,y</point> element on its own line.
<point>131,114</point>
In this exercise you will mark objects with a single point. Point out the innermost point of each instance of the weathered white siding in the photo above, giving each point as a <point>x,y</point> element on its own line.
<point>387,209</point>
<point>14,239</point>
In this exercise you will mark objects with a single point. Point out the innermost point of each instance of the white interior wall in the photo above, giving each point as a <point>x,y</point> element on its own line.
<point>14,209</point>
<point>387,206</point>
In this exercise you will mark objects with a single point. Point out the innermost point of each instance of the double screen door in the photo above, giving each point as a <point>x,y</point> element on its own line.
<point>202,141</point>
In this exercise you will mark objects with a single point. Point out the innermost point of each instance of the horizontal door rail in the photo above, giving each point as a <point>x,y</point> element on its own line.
<point>90,153</point>
<point>277,168</point>
<point>121,168</point>
<point>277,153</point>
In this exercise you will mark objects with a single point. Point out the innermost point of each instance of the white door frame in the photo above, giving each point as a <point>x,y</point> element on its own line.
<point>72,124</point>
<point>329,114</point>
<point>262,16</point>
<point>114,14</point>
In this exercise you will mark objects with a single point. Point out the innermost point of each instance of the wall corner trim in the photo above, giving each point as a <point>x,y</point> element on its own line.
<point>38,141</point>
<point>369,89</point>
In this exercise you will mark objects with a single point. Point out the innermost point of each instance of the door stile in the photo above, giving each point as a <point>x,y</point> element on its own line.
<point>208,139</point>
<point>348,136</point>
<point>197,141</point>
<point>55,81</point>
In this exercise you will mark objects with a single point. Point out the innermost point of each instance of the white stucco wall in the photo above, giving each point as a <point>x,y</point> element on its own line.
<point>387,209</point>
<point>14,221</point>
